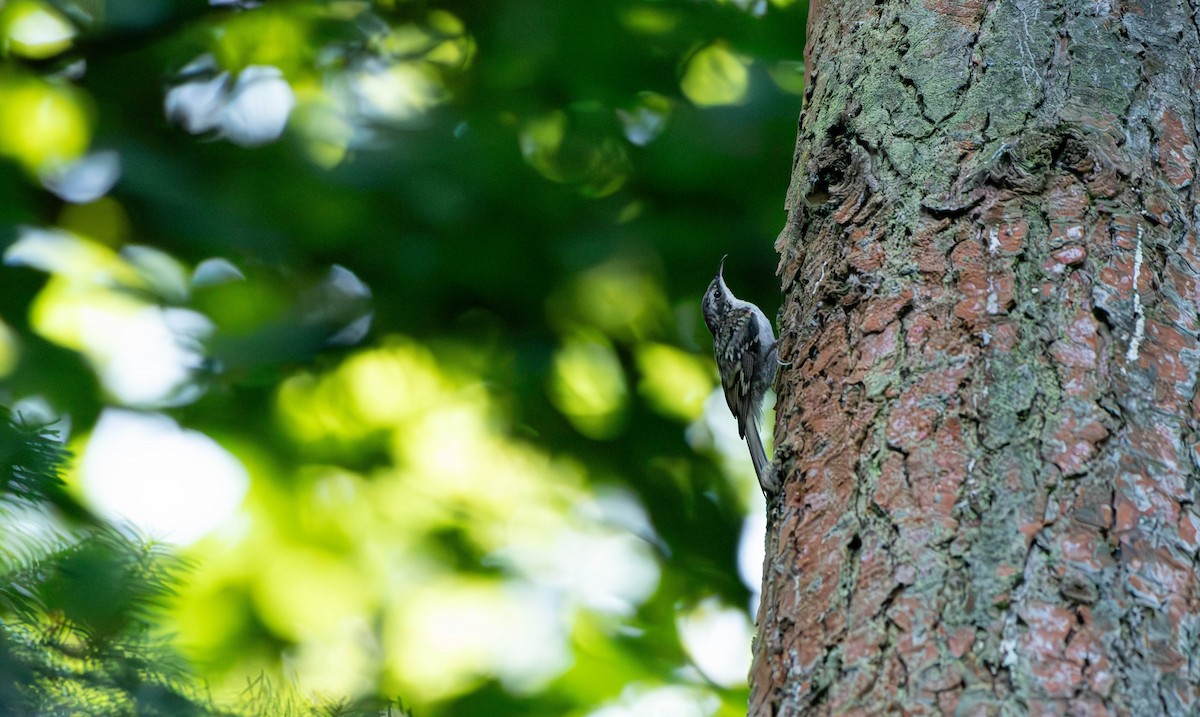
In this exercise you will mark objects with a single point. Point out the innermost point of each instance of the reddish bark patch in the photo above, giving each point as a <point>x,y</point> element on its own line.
<point>877,353</point>
<point>882,311</point>
<point>1065,257</point>
<point>912,418</point>
<point>891,489</point>
<point>1083,547</point>
<point>960,640</point>
<point>1066,204</point>
<point>1164,353</point>
<point>929,257</point>
<point>1174,148</point>
<point>966,13</point>
<point>1009,237</point>
<point>986,287</point>
<point>866,253</point>
<point>1073,442</point>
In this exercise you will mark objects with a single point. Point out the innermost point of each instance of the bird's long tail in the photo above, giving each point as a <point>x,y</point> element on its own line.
<point>762,464</point>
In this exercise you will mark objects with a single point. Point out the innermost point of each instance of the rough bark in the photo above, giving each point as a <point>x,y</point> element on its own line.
<point>988,430</point>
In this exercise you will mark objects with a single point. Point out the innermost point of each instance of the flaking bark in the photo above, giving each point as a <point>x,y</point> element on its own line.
<point>988,430</point>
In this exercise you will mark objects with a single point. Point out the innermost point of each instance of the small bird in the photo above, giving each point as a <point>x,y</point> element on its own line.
<point>744,346</point>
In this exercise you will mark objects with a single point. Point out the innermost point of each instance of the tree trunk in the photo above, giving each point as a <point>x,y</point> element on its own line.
<point>988,429</point>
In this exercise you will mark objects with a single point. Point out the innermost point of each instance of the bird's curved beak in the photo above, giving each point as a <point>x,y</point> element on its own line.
<point>721,268</point>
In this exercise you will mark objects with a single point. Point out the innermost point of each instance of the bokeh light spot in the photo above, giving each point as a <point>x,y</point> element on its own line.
<point>305,593</point>
<point>34,29</point>
<point>716,76</point>
<point>41,123</point>
<point>646,119</point>
<point>86,179</point>
<point>174,484</point>
<point>587,384</point>
<point>575,149</point>
<point>448,634</point>
<point>663,701</point>
<point>673,381</point>
<point>718,639</point>
<point>265,37</point>
<point>144,353</point>
<point>397,93</point>
<point>618,298</point>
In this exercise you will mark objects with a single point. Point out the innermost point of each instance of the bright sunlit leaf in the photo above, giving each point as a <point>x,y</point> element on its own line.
<point>257,107</point>
<point>250,108</point>
<point>384,388</point>
<point>757,8</point>
<point>34,29</point>
<point>674,382</point>
<point>42,124</point>
<point>162,273</point>
<point>587,384</point>
<point>610,571</point>
<point>397,93</point>
<point>304,592</point>
<point>197,103</point>
<point>268,36</point>
<point>143,353</point>
<point>650,19</point>
<point>341,662</point>
<point>540,139</point>
<point>457,52</point>
<point>326,128</point>
<point>214,272</point>
<point>405,40</point>
<point>446,22</point>
<point>716,76</point>
<point>71,256</point>
<point>622,300</point>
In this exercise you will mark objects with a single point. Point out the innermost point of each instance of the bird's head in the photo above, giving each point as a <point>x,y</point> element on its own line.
<point>717,298</point>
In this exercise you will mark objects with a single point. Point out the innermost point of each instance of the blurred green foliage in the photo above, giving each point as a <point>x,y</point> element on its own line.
<point>427,275</point>
<point>78,599</point>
